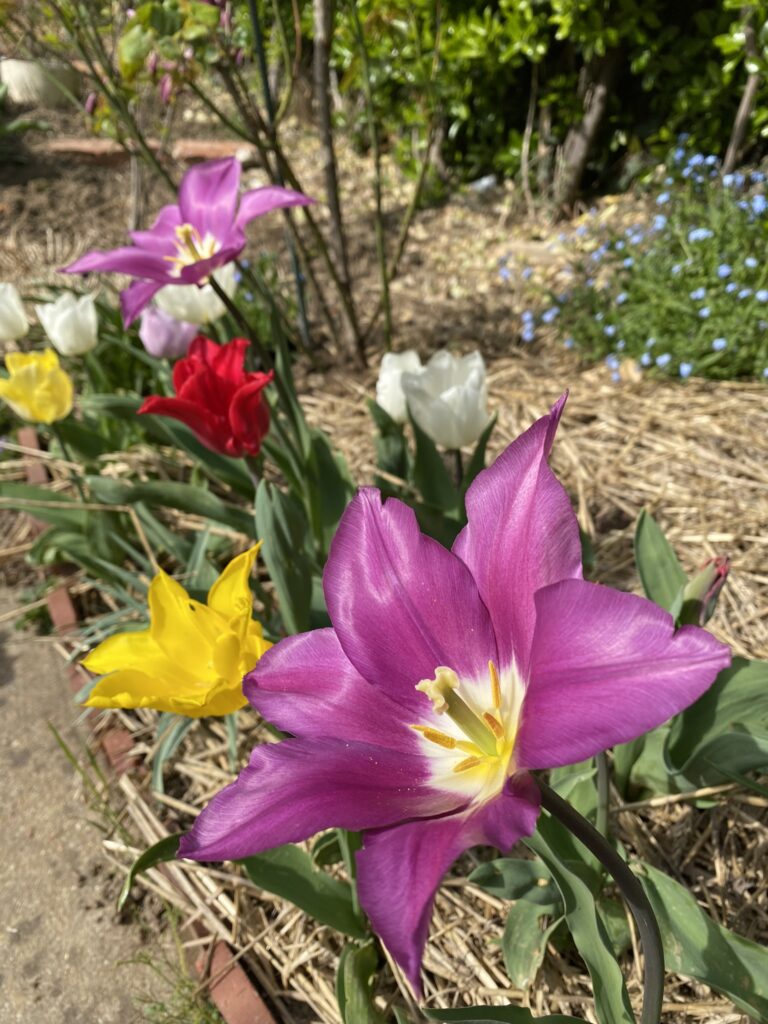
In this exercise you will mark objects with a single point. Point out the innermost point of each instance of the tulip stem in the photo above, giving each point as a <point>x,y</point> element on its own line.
<point>631,890</point>
<point>603,792</point>
<point>237,315</point>
<point>458,467</point>
<point>74,476</point>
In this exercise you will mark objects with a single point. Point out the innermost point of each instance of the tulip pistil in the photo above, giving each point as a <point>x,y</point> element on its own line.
<point>485,732</point>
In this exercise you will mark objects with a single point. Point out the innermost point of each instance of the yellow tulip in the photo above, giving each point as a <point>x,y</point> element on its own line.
<point>193,657</point>
<point>37,388</point>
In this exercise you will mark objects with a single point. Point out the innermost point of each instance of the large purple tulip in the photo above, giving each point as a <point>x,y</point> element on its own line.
<point>190,240</point>
<point>447,677</point>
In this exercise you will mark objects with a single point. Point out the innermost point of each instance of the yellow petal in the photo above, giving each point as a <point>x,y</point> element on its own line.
<point>185,630</point>
<point>124,650</point>
<point>132,688</point>
<point>231,595</point>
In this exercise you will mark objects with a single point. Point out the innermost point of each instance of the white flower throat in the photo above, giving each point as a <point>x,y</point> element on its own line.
<point>475,751</point>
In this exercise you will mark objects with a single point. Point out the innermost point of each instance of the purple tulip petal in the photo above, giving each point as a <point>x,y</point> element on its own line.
<point>208,196</point>
<point>261,200</point>
<point>126,260</point>
<point>605,668</point>
<point>293,789</point>
<point>161,237</point>
<point>401,604</point>
<point>196,273</point>
<point>307,686</point>
<point>400,868</point>
<point>136,297</point>
<point>521,535</point>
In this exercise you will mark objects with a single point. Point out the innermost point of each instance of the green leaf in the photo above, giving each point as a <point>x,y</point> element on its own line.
<point>660,572</point>
<point>163,850</point>
<point>505,1014</point>
<point>41,503</point>
<point>289,872</point>
<point>83,437</point>
<point>328,487</point>
<point>354,986</point>
<point>694,945</point>
<point>167,431</point>
<point>326,849</point>
<point>392,455</point>
<point>282,526</point>
<point>525,942</point>
<point>510,878</point>
<point>431,475</point>
<point>553,843</point>
<point>132,50</point>
<point>184,497</point>
<point>741,750</point>
<point>477,460</point>
<point>737,702</point>
<point>171,731</point>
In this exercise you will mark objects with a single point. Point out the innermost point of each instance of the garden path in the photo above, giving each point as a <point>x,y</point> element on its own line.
<point>64,957</point>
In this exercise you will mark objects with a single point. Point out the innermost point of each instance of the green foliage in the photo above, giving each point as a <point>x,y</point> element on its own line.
<point>290,872</point>
<point>354,985</point>
<point>696,946</point>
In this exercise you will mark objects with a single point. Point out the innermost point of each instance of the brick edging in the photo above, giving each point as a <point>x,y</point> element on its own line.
<point>232,991</point>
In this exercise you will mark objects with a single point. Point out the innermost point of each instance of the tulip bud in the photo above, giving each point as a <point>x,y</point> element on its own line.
<point>166,88</point>
<point>389,386</point>
<point>163,336</point>
<point>70,323</point>
<point>448,398</point>
<point>152,61</point>
<point>13,320</point>
<point>90,102</point>
<point>701,593</point>
<point>194,304</point>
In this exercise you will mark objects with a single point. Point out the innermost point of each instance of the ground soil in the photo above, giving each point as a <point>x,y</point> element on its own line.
<point>66,956</point>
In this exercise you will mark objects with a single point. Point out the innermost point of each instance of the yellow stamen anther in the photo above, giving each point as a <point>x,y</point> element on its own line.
<point>493,724</point>
<point>435,736</point>
<point>467,763</point>
<point>495,685</point>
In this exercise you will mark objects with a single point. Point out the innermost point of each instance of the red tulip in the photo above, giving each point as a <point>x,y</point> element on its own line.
<point>217,399</point>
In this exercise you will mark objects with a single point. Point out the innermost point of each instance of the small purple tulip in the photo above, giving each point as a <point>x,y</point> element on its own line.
<point>191,239</point>
<point>163,336</point>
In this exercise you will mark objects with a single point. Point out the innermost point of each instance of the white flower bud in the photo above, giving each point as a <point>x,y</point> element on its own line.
<point>13,320</point>
<point>71,323</point>
<point>448,398</point>
<point>389,388</point>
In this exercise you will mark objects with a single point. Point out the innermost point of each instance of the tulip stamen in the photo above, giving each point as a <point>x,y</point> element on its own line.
<point>435,736</point>
<point>467,763</point>
<point>191,247</point>
<point>495,686</point>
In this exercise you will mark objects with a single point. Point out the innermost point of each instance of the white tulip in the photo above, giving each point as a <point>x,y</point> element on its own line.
<point>13,320</point>
<point>448,398</point>
<point>197,305</point>
<point>389,387</point>
<point>71,323</point>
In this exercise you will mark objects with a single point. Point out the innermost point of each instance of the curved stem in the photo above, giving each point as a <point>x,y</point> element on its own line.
<point>242,323</point>
<point>631,890</point>
<point>74,475</point>
<point>603,793</point>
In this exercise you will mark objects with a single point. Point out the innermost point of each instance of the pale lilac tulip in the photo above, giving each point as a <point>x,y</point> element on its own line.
<point>163,336</point>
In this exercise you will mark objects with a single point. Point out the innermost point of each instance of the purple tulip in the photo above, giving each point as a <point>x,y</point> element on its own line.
<point>447,678</point>
<point>190,240</point>
<point>163,336</point>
